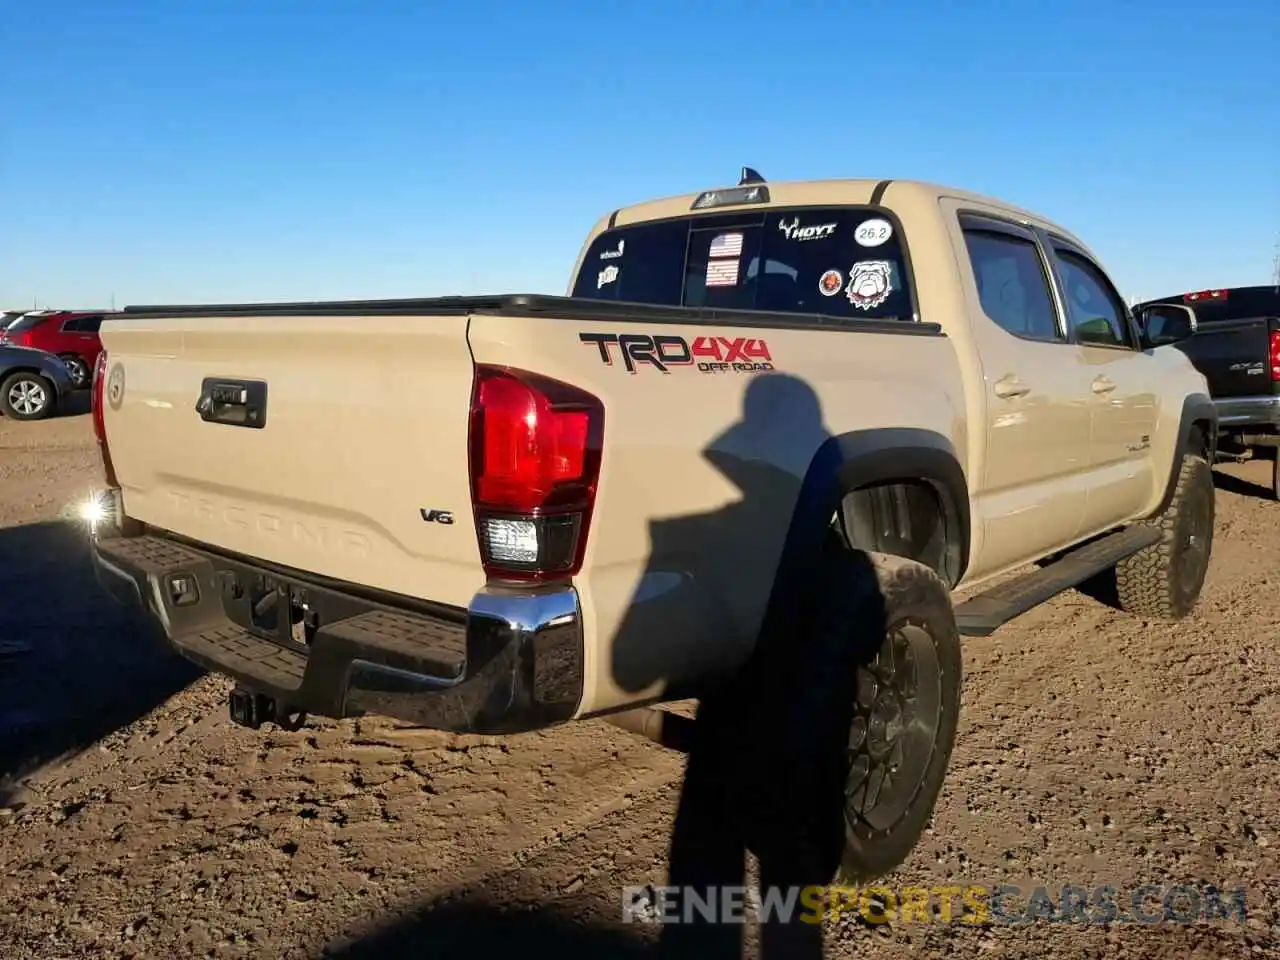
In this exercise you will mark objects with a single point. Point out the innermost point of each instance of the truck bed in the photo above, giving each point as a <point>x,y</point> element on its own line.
<point>364,442</point>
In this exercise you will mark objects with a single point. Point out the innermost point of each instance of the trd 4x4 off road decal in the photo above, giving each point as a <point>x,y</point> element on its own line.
<point>663,351</point>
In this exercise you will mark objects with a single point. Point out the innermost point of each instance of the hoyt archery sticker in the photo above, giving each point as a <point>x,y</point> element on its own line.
<point>829,283</point>
<point>794,231</point>
<point>606,276</point>
<point>664,352</point>
<point>870,283</point>
<point>872,233</point>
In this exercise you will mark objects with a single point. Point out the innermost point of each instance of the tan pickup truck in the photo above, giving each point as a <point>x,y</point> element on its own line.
<point>751,454</point>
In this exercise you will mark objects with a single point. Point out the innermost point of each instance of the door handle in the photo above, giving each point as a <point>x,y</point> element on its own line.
<point>1102,384</point>
<point>1010,386</point>
<point>237,403</point>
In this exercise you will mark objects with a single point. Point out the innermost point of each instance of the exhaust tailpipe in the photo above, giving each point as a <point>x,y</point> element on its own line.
<point>664,728</point>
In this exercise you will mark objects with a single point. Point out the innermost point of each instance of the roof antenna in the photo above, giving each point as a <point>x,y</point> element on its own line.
<point>749,176</point>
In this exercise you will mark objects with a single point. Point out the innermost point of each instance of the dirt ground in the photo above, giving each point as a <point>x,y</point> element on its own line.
<point>1094,749</point>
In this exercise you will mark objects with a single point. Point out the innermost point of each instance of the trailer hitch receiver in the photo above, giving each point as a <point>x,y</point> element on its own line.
<point>252,710</point>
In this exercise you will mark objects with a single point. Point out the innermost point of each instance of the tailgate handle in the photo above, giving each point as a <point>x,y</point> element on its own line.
<point>237,403</point>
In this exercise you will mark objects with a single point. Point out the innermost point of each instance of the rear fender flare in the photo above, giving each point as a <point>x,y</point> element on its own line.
<point>860,458</point>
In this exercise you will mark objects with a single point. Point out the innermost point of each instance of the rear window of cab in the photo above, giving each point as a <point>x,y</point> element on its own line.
<point>847,262</point>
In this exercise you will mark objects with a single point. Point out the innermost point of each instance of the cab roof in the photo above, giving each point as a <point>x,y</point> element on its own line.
<point>894,193</point>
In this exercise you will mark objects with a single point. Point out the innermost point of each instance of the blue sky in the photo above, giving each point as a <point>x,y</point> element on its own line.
<point>219,150</point>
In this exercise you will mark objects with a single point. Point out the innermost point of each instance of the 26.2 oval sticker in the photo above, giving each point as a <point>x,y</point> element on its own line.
<point>872,233</point>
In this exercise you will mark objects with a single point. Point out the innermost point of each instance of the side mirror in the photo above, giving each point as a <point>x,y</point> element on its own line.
<point>1166,323</point>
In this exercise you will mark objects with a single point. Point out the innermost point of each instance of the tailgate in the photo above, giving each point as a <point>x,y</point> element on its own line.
<point>1234,356</point>
<point>363,432</point>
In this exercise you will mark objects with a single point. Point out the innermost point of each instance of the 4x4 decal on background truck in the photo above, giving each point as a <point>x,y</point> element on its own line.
<point>708,354</point>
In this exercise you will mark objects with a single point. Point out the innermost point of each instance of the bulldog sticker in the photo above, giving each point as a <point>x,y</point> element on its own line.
<point>869,283</point>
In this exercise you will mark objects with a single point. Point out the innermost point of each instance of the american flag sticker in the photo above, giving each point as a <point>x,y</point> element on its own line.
<point>722,273</point>
<point>726,245</point>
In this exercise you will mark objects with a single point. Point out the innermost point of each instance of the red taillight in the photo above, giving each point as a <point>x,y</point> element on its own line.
<point>1275,355</point>
<point>99,421</point>
<point>535,460</point>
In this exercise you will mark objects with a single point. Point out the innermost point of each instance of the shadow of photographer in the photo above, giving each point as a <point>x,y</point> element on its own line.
<point>766,766</point>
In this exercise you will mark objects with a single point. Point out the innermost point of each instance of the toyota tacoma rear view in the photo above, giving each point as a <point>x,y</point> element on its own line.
<point>749,458</point>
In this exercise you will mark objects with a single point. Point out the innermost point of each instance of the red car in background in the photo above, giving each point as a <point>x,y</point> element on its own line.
<point>71,334</point>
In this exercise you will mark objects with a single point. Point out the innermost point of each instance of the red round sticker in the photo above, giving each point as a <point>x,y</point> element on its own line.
<point>831,283</point>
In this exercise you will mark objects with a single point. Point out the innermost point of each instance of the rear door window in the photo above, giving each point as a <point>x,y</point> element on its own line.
<point>1012,285</point>
<point>847,262</point>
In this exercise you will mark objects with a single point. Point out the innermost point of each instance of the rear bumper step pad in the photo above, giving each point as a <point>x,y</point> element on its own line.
<point>512,661</point>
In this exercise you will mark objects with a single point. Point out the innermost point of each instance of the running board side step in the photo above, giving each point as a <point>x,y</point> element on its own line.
<point>980,616</point>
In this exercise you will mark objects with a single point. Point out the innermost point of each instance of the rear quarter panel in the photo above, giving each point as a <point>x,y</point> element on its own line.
<point>701,475</point>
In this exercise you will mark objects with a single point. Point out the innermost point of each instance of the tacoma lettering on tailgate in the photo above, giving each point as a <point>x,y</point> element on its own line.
<point>309,533</point>
<point>664,351</point>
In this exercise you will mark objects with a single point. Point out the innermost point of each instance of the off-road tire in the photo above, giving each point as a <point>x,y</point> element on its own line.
<point>808,695</point>
<point>1163,581</point>
<point>1275,473</point>
<point>14,380</point>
